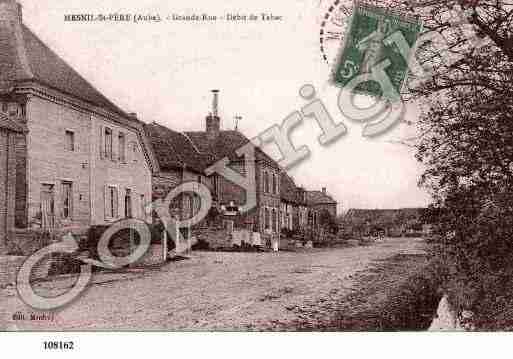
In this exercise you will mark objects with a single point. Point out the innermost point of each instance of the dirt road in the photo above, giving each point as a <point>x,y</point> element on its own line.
<point>210,291</point>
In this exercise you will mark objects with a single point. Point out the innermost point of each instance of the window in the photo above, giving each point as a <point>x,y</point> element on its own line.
<point>143,206</point>
<point>216,187</point>
<point>267,219</point>
<point>275,185</point>
<point>108,143</point>
<point>47,206</point>
<point>70,140</point>
<point>67,200</point>
<point>111,202</point>
<point>275,221</point>
<point>122,147</point>
<point>266,182</point>
<point>128,203</point>
<point>134,150</point>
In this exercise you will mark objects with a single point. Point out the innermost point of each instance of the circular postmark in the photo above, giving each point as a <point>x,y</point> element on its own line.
<point>334,24</point>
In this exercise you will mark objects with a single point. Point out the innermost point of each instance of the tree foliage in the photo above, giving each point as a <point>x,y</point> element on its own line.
<point>466,144</point>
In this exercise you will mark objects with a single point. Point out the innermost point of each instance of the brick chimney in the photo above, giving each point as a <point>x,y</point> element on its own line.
<point>11,11</point>
<point>213,122</point>
<point>324,190</point>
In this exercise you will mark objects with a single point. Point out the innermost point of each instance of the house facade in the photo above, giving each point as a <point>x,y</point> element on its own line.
<point>86,162</point>
<point>178,162</point>
<point>216,144</point>
<point>318,202</point>
<point>294,208</point>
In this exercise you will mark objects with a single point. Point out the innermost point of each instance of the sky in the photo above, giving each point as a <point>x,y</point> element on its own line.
<point>164,72</point>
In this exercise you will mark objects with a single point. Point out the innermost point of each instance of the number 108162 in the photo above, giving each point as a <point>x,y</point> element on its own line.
<point>57,345</point>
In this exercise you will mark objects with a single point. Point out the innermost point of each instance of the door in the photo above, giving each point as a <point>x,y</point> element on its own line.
<point>48,206</point>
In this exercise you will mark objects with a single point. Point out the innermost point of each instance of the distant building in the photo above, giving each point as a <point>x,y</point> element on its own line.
<point>294,210</point>
<point>186,156</point>
<point>318,202</point>
<point>220,144</point>
<point>394,222</point>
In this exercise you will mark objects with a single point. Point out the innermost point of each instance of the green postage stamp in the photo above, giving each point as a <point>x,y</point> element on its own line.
<point>372,60</point>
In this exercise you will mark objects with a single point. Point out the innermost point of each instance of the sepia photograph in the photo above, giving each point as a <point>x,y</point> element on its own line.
<point>318,166</point>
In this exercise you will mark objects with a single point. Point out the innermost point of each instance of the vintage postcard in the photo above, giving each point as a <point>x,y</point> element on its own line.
<point>241,166</point>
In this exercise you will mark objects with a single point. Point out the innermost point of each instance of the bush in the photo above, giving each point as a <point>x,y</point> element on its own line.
<point>474,254</point>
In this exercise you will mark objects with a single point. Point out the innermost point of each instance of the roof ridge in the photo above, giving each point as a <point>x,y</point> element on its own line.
<point>192,143</point>
<point>27,30</point>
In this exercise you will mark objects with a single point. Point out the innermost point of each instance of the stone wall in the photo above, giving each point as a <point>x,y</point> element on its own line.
<point>51,163</point>
<point>7,186</point>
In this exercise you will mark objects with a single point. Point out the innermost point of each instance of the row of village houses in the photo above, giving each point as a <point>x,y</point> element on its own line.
<point>70,158</point>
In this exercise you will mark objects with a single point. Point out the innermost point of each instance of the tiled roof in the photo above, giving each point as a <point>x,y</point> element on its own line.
<point>24,57</point>
<point>174,150</point>
<point>319,197</point>
<point>11,125</point>
<point>49,69</point>
<point>225,145</point>
<point>289,191</point>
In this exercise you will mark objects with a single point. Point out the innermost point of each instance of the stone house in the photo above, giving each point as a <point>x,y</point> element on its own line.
<point>178,162</point>
<point>86,161</point>
<point>216,144</point>
<point>12,139</point>
<point>319,201</point>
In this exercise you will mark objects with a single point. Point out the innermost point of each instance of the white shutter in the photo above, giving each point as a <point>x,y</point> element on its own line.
<point>101,145</point>
<point>116,204</point>
<point>106,201</point>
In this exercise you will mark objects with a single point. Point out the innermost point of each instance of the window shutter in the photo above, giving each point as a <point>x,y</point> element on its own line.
<point>116,203</point>
<point>106,201</point>
<point>101,145</point>
<point>61,197</point>
<point>115,150</point>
